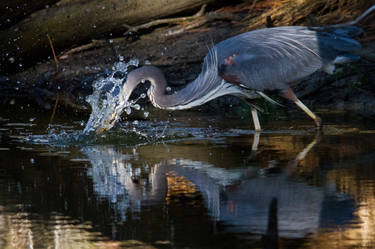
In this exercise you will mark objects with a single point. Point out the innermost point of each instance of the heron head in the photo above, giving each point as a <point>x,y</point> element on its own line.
<point>110,99</point>
<point>120,99</point>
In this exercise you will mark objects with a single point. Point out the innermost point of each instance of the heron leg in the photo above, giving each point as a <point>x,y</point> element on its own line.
<point>289,94</point>
<point>254,114</point>
<point>254,146</point>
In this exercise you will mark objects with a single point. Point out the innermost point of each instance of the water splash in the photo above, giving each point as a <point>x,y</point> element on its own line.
<point>108,101</point>
<point>78,138</point>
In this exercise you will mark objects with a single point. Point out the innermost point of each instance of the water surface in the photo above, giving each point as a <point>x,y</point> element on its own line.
<point>185,181</point>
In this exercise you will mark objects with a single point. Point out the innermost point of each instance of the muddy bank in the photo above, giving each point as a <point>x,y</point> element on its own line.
<point>179,52</point>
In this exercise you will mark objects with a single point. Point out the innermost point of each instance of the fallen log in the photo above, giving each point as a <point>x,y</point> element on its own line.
<point>73,22</point>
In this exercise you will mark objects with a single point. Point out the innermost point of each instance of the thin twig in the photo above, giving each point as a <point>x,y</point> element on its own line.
<point>54,109</point>
<point>53,52</point>
<point>203,20</point>
<point>92,44</point>
<point>166,21</point>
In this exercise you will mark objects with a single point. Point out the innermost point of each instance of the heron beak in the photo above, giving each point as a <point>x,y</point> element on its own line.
<point>108,124</point>
<point>106,127</point>
<point>111,113</point>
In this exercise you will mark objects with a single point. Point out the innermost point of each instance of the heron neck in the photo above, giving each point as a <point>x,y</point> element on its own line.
<point>178,100</point>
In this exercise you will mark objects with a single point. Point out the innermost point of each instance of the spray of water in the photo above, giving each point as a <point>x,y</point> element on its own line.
<point>107,100</point>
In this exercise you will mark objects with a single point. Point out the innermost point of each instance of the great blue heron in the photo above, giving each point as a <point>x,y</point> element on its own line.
<point>247,64</point>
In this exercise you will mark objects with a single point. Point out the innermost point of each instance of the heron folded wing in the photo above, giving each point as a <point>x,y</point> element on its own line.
<point>261,72</point>
<point>272,58</point>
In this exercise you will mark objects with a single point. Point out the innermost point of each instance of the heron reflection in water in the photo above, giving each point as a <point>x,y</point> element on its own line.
<point>248,64</point>
<point>236,196</point>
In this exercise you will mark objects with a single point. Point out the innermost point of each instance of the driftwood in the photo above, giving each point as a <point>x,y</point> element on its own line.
<point>184,24</point>
<point>165,21</point>
<point>73,22</point>
<point>197,20</point>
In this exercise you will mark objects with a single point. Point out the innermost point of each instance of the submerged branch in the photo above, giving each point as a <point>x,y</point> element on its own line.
<point>54,109</point>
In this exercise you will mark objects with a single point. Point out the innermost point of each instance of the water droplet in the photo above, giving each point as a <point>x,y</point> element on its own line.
<point>128,110</point>
<point>168,89</point>
<point>110,41</point>
<point>94,26</point>
<point>31,119</point>
<point>20,65</point>
<point>143,81</point>
<point>135,122</point>
<point>32,160</point>
<point>121,58</point>
<point>146,114</point>
<point>136,107</point>
<point>147,62</point>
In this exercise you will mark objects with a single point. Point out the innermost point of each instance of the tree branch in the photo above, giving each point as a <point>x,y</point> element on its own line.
<point>165,21</point>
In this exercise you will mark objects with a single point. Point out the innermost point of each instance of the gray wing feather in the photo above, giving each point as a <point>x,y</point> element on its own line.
<point>272,58</point>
